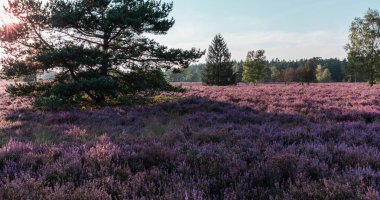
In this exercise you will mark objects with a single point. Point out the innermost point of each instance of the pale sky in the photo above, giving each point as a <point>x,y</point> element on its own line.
<point>286,29</point>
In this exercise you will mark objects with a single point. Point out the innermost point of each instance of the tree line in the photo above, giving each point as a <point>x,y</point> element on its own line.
<point>258,69</point>
<point>362,63</point>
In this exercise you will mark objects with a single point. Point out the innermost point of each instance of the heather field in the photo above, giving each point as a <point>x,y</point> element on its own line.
<point>278,141</point>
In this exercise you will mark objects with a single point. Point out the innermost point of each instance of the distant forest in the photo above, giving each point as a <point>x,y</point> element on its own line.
<point>278,71</point>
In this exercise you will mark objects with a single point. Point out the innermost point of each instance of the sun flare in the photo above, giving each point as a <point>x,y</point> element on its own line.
<point>6,18</point>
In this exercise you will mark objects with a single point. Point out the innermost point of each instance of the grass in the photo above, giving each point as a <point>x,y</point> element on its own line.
<point>45,138</point>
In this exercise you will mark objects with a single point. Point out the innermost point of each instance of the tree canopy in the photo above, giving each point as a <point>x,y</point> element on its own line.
<point>99,48</point>
<point>219,67</point>
<point>323,74</point>
<point>255,67</point>
<point>364,47</point>
<point>307,72</point>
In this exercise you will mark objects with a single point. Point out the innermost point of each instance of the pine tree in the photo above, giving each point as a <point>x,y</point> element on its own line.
<point>255,67</point>
<point>218,69</point>
<point>99,48</point>
<point>238,70</point>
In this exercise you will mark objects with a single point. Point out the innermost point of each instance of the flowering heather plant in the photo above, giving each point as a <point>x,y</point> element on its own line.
<point>241,142</point>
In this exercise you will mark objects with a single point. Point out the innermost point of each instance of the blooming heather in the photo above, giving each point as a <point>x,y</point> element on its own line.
<point>241,142</point>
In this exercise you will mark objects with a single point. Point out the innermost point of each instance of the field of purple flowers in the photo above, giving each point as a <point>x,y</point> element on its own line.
<point>320,141</point>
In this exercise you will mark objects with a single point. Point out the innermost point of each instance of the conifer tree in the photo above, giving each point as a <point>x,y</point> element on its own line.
<point>219,67</point>
<point>238,70</point>
<point>99,48</point>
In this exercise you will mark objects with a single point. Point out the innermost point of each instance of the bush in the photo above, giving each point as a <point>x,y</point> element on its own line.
<point>52,103</point>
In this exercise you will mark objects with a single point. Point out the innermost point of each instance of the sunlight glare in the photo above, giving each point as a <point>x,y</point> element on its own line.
<point>6,18</point>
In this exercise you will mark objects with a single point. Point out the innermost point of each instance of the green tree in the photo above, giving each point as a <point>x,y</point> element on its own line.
<point>255,67</point>
<point>306,72</point>
<point>364,47</point>
<point>218,69</point>
<point>323,74</point>
<point>275,74</point>
<point>289,75</point>
<point>326,76</point>
<point>99,48</point>
<point>238,70</point>
<point>336,67</point>
<point>319,73</point>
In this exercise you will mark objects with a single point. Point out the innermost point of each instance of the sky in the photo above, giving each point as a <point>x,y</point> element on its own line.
<point>285,29</point>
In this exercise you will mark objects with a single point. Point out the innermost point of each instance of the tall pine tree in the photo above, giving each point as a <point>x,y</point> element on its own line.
<point>219,67</point>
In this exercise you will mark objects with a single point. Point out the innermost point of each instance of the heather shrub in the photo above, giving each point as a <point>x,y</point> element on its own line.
<point>3,140</point>
<point>184,149</point>
<point>45,138</point>
<point>75,134</point>
<point>87,192</point>
<point>207,137</point>
<point>147,158</point>
<point>163,98</point>
<point>314,169</point>
<point>66,168</point>
<point>24,187</point>
<point>328,189</point>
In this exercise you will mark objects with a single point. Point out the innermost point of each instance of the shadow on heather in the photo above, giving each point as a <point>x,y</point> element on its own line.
<point>193,147</point>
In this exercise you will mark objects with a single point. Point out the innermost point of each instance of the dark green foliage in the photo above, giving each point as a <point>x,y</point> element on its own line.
<point>218,69</point>
<point>145,80</point>
<point>30,78</point>
<point>53,103</point>
<point>353,73</point>
<point>278,71</point>
<point>97,48</point>
<point>104,84</point>
<point>338,68</point>
<point>238,70</point>
<point>306,73</point>
<point>28,89</point>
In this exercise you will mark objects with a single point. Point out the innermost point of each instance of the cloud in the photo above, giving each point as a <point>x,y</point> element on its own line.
<point>277,44</point>
<point>289,45</point>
